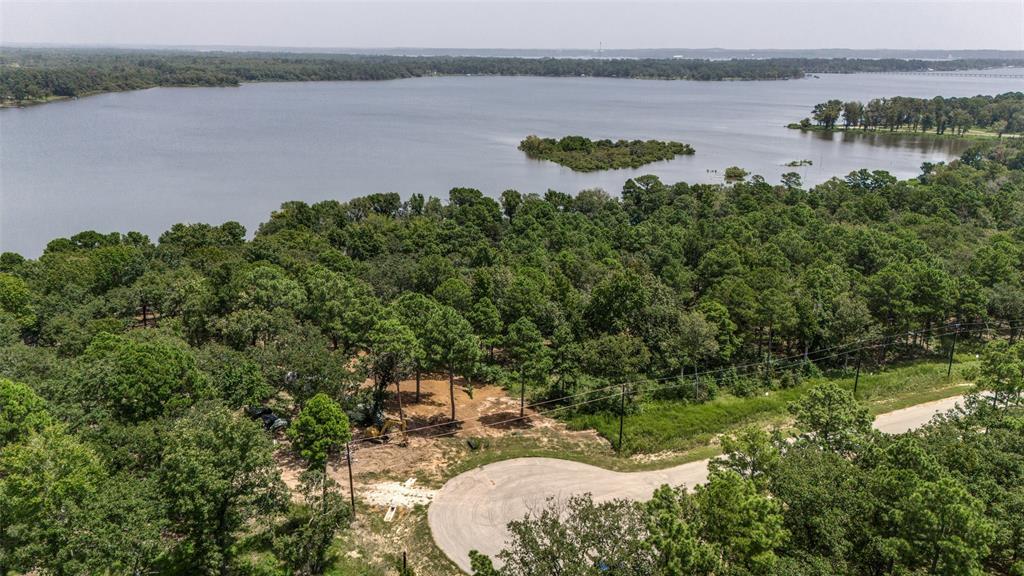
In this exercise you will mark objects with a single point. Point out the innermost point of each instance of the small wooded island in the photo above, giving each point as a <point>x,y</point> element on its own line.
<point>585,155</point>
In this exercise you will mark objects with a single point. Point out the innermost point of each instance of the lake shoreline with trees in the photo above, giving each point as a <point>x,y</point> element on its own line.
<point>36,75</point>
<point>972,135</point>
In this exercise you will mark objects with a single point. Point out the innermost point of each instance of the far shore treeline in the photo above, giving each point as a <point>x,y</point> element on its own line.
<point>585,155</point>
<point>34,75</point>
<point>996,115</point>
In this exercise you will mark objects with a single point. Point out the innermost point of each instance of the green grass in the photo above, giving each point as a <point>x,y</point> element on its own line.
<point>661,425</point>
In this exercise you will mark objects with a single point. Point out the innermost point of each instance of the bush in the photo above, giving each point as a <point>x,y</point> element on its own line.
<point>790,379</point>
<point>810,370</point>
<point>735,173</point>
<point>746,387</point>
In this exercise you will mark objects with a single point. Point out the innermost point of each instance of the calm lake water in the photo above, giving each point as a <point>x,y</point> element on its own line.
<point>145,160</point>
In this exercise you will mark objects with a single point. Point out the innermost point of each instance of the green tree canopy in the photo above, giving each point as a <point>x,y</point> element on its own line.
<point>138,379</point>
<point>451,344</point>
<point>217,474</point>
<point>16,300</point>
<point>319,431</point>
<point>831,418</point>
<point>305,540</point>
<point>745,524</point>
<point>45,484</point>
<point>22,412</point>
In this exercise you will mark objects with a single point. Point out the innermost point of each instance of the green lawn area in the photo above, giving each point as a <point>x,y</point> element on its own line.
<point>663,425</point>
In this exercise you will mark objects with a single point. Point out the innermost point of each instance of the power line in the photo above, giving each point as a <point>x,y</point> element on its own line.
<point>788,362</point>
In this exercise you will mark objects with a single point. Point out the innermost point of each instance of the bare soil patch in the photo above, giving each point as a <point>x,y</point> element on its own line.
<point>382,471</point>
<point>483,412</point>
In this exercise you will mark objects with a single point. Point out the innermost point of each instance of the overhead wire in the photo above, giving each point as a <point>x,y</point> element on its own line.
<point>780,363</point>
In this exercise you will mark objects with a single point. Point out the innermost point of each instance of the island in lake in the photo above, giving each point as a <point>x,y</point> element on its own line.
<point>585,155</point>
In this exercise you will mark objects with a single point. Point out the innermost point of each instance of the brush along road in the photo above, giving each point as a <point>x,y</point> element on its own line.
<point>472,510</point>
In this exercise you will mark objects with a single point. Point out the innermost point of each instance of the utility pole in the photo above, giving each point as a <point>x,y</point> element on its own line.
<point>351,485</point>
<point>522,397</point>
<point>622,413</point>
<point>856,379</point>
<point>952,349</point>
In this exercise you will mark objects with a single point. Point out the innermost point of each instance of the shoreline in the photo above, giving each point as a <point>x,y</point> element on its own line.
<point>7,104</point>
<point>972,135</point>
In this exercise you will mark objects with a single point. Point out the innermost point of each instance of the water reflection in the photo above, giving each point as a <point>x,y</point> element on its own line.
<point>948,145</point>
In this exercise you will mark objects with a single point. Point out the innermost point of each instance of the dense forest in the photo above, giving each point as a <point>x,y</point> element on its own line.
<point>585,155</point>
<point>1002,114</point>
<point>125,363</point>
<point>32,75</point>
<point>840,500</point>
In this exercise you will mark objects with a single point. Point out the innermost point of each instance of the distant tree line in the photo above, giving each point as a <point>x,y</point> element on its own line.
<point>30,75</point>
<point>1001,114</point>
<point>585,155</point>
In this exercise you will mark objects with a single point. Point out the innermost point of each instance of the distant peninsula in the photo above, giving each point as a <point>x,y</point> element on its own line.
<point>975,117</point>
<point>585,155</point>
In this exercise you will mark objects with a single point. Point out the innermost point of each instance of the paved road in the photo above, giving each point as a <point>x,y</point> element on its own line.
<point>471,510</point>
<point>907,419</point>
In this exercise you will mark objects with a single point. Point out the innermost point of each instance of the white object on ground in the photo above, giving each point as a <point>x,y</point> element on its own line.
<point>397,494</point>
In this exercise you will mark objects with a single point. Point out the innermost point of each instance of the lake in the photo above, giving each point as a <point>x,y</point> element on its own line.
<point>145,160</point>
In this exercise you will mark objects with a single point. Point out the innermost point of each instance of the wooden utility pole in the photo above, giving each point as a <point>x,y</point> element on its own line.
<point>622,413</point>
<point>856,379</point>
<point>952,349</point>
<point>351,484</point>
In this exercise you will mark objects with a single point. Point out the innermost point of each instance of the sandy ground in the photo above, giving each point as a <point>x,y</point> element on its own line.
<point>471,511</point>
<point>381,471</point>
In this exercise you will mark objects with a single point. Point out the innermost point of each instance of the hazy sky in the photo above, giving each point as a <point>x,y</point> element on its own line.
<point>522,24</point>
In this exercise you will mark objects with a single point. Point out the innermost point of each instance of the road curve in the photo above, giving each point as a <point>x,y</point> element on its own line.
<point>471,511</point>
